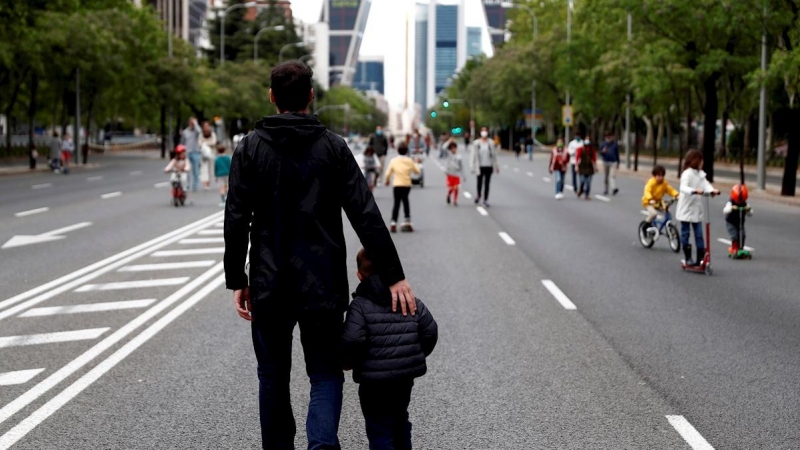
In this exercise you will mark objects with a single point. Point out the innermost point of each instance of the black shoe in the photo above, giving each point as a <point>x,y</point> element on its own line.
<point>605,192</point>
<point>448,199</point>
<point>701,256</point>
<point>687,255</point>
<point>477,200</point>
<point>615,191</point>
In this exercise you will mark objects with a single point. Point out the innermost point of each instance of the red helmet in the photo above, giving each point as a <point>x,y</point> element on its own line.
<point>739,193</point>
<point>180,148</point>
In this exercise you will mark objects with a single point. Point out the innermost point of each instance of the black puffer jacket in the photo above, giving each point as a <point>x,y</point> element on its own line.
<point>381,345</point>
<point>292,178</point>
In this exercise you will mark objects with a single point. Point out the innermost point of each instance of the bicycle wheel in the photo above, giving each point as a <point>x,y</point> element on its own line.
<point>674,238</point>
<point>644,237</point>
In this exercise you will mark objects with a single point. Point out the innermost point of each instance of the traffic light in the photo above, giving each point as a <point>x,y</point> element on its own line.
<point>446,104</point>
<point>433,114</point>
<point>456,130</point>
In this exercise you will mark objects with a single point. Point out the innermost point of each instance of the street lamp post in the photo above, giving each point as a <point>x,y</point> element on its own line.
<point>285,47</point>
<point>628,105</point>
<point>222,27</point>
<point>762,114</point>
<point>255,39</point>
<point>569,39</point>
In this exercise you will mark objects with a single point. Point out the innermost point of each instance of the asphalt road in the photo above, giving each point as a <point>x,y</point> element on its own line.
<point>649,358</point>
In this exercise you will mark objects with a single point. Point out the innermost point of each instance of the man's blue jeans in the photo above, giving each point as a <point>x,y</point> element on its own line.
<point>320,336</point>
<point>194,161</point>
<point>559,181</point>
<point>686,227</point>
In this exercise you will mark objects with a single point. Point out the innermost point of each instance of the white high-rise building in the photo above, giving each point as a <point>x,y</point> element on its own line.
<point>440,34</point>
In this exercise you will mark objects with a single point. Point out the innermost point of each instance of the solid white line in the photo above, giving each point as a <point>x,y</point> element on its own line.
<point>689,433</point>
<point>202,241</point>
<point>167,266</point>
<point>136,172</point>
<point>546,179</point>
<point>51,338</point>
<point>210,232</point>
<point>132,284</point>
<point>560,296</point>
<point>482,211</point>
<point>18,377</point>
<point>48,383</point>
<point>194,251</point>
<point>92,271</point>
<point>87,308</point>
<point>111,195</point>
<point>42,186</point>
<point>602,197</point>
<point>98,178</point>
<point>530,174</point>
<point>32,212</point>
<point>467,194</point>
<point>506,238</point>
<point>40,415</point>
<point>729,243</point>
<point>161,185</point>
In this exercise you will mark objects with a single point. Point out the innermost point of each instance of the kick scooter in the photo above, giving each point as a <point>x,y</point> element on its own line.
<point>705,263</point>
<point>741,251</point>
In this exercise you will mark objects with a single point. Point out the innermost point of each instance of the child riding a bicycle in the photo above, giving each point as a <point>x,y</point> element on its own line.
<point>654,191</point>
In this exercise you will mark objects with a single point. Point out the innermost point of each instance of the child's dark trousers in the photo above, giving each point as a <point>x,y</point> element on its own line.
<point>385,408</point>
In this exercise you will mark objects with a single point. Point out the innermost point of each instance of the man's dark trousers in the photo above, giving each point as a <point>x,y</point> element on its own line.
<point>385,408</point>
<point>320,336</point>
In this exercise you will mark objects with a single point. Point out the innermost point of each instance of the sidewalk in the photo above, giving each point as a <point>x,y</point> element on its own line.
<point>17,166</point>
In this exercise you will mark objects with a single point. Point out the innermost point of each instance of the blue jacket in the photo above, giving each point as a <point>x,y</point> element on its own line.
<point>610,152</point>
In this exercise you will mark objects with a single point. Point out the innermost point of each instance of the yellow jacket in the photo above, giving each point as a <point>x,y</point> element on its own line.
<point>654,190</point>
<point>401,167</point>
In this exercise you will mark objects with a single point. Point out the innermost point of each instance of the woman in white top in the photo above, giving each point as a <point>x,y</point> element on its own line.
<point>690,207</point>
<point>484,162</point>
<point>207,142</point>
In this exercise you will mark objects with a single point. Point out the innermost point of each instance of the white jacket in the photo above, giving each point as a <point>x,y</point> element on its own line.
<point>690,207</point>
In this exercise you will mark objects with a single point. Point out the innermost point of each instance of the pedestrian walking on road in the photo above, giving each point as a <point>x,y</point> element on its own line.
<point>587,167</point>
<point>610,151</point>
<point>190,138</point>
<point>67,149</point>
<point>372,169</point>
<point>55,152</point>
<point>399,171</point>
<point>380,144</point>
<point>454,171</point>
<point>290,180</point>
<point>208,146</point>
<point>416,146</point>
<point>559,160</point>
<point>387,352</point>
<point>222,170</point>
<point>572,148</point>
<point>484,162</point>
<point>690,207</point>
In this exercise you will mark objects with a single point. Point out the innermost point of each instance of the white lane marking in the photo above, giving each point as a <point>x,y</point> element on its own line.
<point>467,194</point>
<point>40,415</point>
<point>505,166</point>
<point>729,243</point>
<point>18,377</point>
<point>689,433</point>
<point>136,172</point>
<point>506,238</point>
<point>559,296</point>
<point>52,338</point>
<point>570,187</point>
<point>482,211</point>
<point>194,251</point>
<point>87,308</point>
<point>48,383</point>
<point>161,185</point>
<point>602,197</point>
<point>92,271</point>
<point>32,212</point>
<point>217,240</point>
<point>97,178</point>
<point>219,225</point>
<point>27,239</point>
<point>530,174</point>
<point>42,186</point>
<point>516,169</point>
<point>167,266</point>
<point>210,232</point>
<point>111,195</point>
<point>546,179</point>
<point>132,284</point>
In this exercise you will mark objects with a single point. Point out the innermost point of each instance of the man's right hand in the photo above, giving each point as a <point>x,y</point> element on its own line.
<point>241,298</point>
<point>402,293</point>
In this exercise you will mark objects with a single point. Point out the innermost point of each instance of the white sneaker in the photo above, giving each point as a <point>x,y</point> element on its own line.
<point>559,196</point>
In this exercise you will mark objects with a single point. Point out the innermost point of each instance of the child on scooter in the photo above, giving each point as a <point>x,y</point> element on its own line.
<point>690,207</point>
<point>180,165</point>
<point>654,192</point>
<point>735,211</point>
<point>455,172</point>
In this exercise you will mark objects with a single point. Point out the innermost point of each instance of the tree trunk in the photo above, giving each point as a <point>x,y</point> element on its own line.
<point>648,140</point>
<point>163,121</point>
<point>745,145</point>
<point>789,184</point>
<point>550,128</point>
<point>723,147</point>
<point>710,112</point>
<point>688,130</point>
<point>31,114</point>
<point>636,150</point>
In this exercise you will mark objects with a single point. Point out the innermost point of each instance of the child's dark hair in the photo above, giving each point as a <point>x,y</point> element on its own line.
<point>369,151</point>
<point>220,148</point>
<point>693,160</point>
<point>452,145</point>
<point>659,170</point>
<point>402,148</point>
<point>363,262</point>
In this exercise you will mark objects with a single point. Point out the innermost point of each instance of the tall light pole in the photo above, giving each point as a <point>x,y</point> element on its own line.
<point>628,104</point>
<point>255,39</point>
<point>286,47</point>
<point>532,13</point>
<point>762,113</point>
<point>222,27</point>
<point>569,39</point>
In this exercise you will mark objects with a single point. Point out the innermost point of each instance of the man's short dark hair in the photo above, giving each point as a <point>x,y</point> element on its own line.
<point>363,263</point>
<point>659,170</point>
<point>402,148</point>
<point>291,85</point>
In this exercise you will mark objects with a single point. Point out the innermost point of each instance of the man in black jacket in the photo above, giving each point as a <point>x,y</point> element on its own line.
<point>290,179</point>
<point>380,144</point>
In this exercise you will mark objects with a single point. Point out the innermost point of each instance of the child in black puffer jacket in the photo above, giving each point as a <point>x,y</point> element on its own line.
<point>386,351</point>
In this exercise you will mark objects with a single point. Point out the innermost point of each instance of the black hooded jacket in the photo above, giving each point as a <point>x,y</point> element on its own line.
<point>290,179</point>
<point>381,345</point>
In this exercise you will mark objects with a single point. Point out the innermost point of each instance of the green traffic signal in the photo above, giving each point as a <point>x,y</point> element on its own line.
<point>433,114</point>
<point>446,104</point>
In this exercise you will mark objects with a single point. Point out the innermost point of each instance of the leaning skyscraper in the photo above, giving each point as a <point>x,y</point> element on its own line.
<point>347,20</point>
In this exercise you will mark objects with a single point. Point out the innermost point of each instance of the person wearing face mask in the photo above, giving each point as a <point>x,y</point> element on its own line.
<point>380,144</point>
<point>484,162</point>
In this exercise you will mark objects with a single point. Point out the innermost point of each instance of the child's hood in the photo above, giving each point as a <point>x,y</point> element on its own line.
<point>372,288</point>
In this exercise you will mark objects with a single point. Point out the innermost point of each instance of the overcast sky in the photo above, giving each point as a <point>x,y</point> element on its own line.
<point>385,36</point>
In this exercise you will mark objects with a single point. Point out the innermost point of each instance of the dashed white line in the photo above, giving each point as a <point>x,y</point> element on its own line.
<point>729,243</point>
<point>190,252</point>
<point>111,195</point>
<point>602,197</point>
<point>32,212</point>
<point>161,185</point>
<point>559,296</point>
<point>216,240</point>
<point>88,308</point>
<point>97,178</point>
<point>482,211</point>
<point>516,169</point>
<point>210,232</point>
<point>506,238</point>
<point>166,266</point>
<point>18,377</point>
<point>546,179</point>
<point>530,174</point>
<point>51,338</point>
<point>42,186</point>
<point>136,172</point>
<point>132,284</point>
<point>505,166</point>
<point>689,433</point>
<point>467,194</point>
